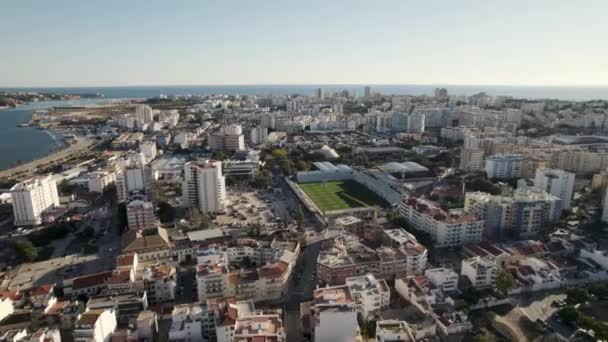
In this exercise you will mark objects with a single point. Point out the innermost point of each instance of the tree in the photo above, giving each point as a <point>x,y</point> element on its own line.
<point>262,179</point>
<point>369,328</point>
<point>599,290</point>
<point>392,215</point>
<point>166,212</point>
<point>302,165</point>
<point>64,187</point>
<point>218,155</point>
<point>300,218</point>
<point>25,250</point>
<point>279,153</point>
<point>199,219</point>
<point>122,217</point>
<point>576,296</point>
<point>568,314</point>
<point>504,282</point>
<point>483,336</point>
<point>158,194</point>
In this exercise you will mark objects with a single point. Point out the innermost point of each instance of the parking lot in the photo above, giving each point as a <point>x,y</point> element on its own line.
<point>247,206</point>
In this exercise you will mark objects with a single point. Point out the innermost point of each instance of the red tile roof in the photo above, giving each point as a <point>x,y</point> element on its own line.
<point>91,280</point>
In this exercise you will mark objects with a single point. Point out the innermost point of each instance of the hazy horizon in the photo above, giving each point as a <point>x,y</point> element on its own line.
<point>69,43</point>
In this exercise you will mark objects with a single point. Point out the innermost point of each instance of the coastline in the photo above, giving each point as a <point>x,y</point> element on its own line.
<point>66,150</point>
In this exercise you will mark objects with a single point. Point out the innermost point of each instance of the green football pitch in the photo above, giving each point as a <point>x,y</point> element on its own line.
<point>339,195</point>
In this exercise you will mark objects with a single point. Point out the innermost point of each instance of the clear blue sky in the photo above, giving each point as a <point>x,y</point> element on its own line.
<point>99,43</point>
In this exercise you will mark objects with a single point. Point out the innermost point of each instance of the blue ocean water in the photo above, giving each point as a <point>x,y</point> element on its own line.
<point>578,93</point>
<point>25,144</point>
<point>20,144</point>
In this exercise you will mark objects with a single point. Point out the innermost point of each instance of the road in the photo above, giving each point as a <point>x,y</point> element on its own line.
<point>301,287</point>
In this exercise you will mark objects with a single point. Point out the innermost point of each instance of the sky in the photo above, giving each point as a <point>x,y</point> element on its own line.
<point>204,42</point>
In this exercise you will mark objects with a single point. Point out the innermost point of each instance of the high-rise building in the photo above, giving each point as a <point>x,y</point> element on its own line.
<point>31,198</point>
<point>259,135</point>
<point>447,229</point>
<point>144,113</point>
<point>504,166</point>
<point>99,180</point>
<point>471,159</point>
<point>605,207</point>
<point>521,215</point>
<point>441,93</point>
<point>558,183</point>
<point>133,177</point>
<point>140,214</point>
<point>320,93</point>
<point>404,122</point>
<point>579,161</point>
<point>229,138</point>
<point>204,186</point>
<point>368,92</point>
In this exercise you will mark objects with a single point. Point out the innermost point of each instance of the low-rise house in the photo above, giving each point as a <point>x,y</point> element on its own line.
<point>453,323</point>
<point>95,325</point>
<point>481,272</point>
<point>370,294</point>
<point>422,293</point>
<point>187,323</point>
<point>334,315</point>
<point>259,328</point>
<point>446,279</point>
<point>126,306</point>
<point>393,330</point>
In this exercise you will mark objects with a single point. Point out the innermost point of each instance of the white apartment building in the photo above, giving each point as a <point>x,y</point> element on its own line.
<point>229,138</point>
<point>520,215</point>
<point>393,331</point>
<point>443,278</point>
<point>259,327</point>
<point>204,186</point>
<point>334,315</point>
<point>605,207</point>
<point>148,148</point>
<point>454,133</point>
<point>471,159</point>
<point>504,166</point>
<point>579,161</point>
<point>6,307</point>
<point>481,272</point>
<point>133,177</point>
<point>215,280</point>
<point>140,215</point>
<point>95,325</point>
<point>99,180</point>
<point>31,198</point>
<point>447,229</point>
<point>169,118</point>
<point>160,282</point>
<point>370,294</point>
<point>181,139</point>
<point>144,113</point>
<point>404,122</point>
<point>187,323</point>
<point>259,135</point>
<point>558,183</point>
<point>416,254</point>
<point>226,142</point>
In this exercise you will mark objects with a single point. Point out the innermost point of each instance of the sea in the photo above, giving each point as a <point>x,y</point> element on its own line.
<point>19,144</point>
